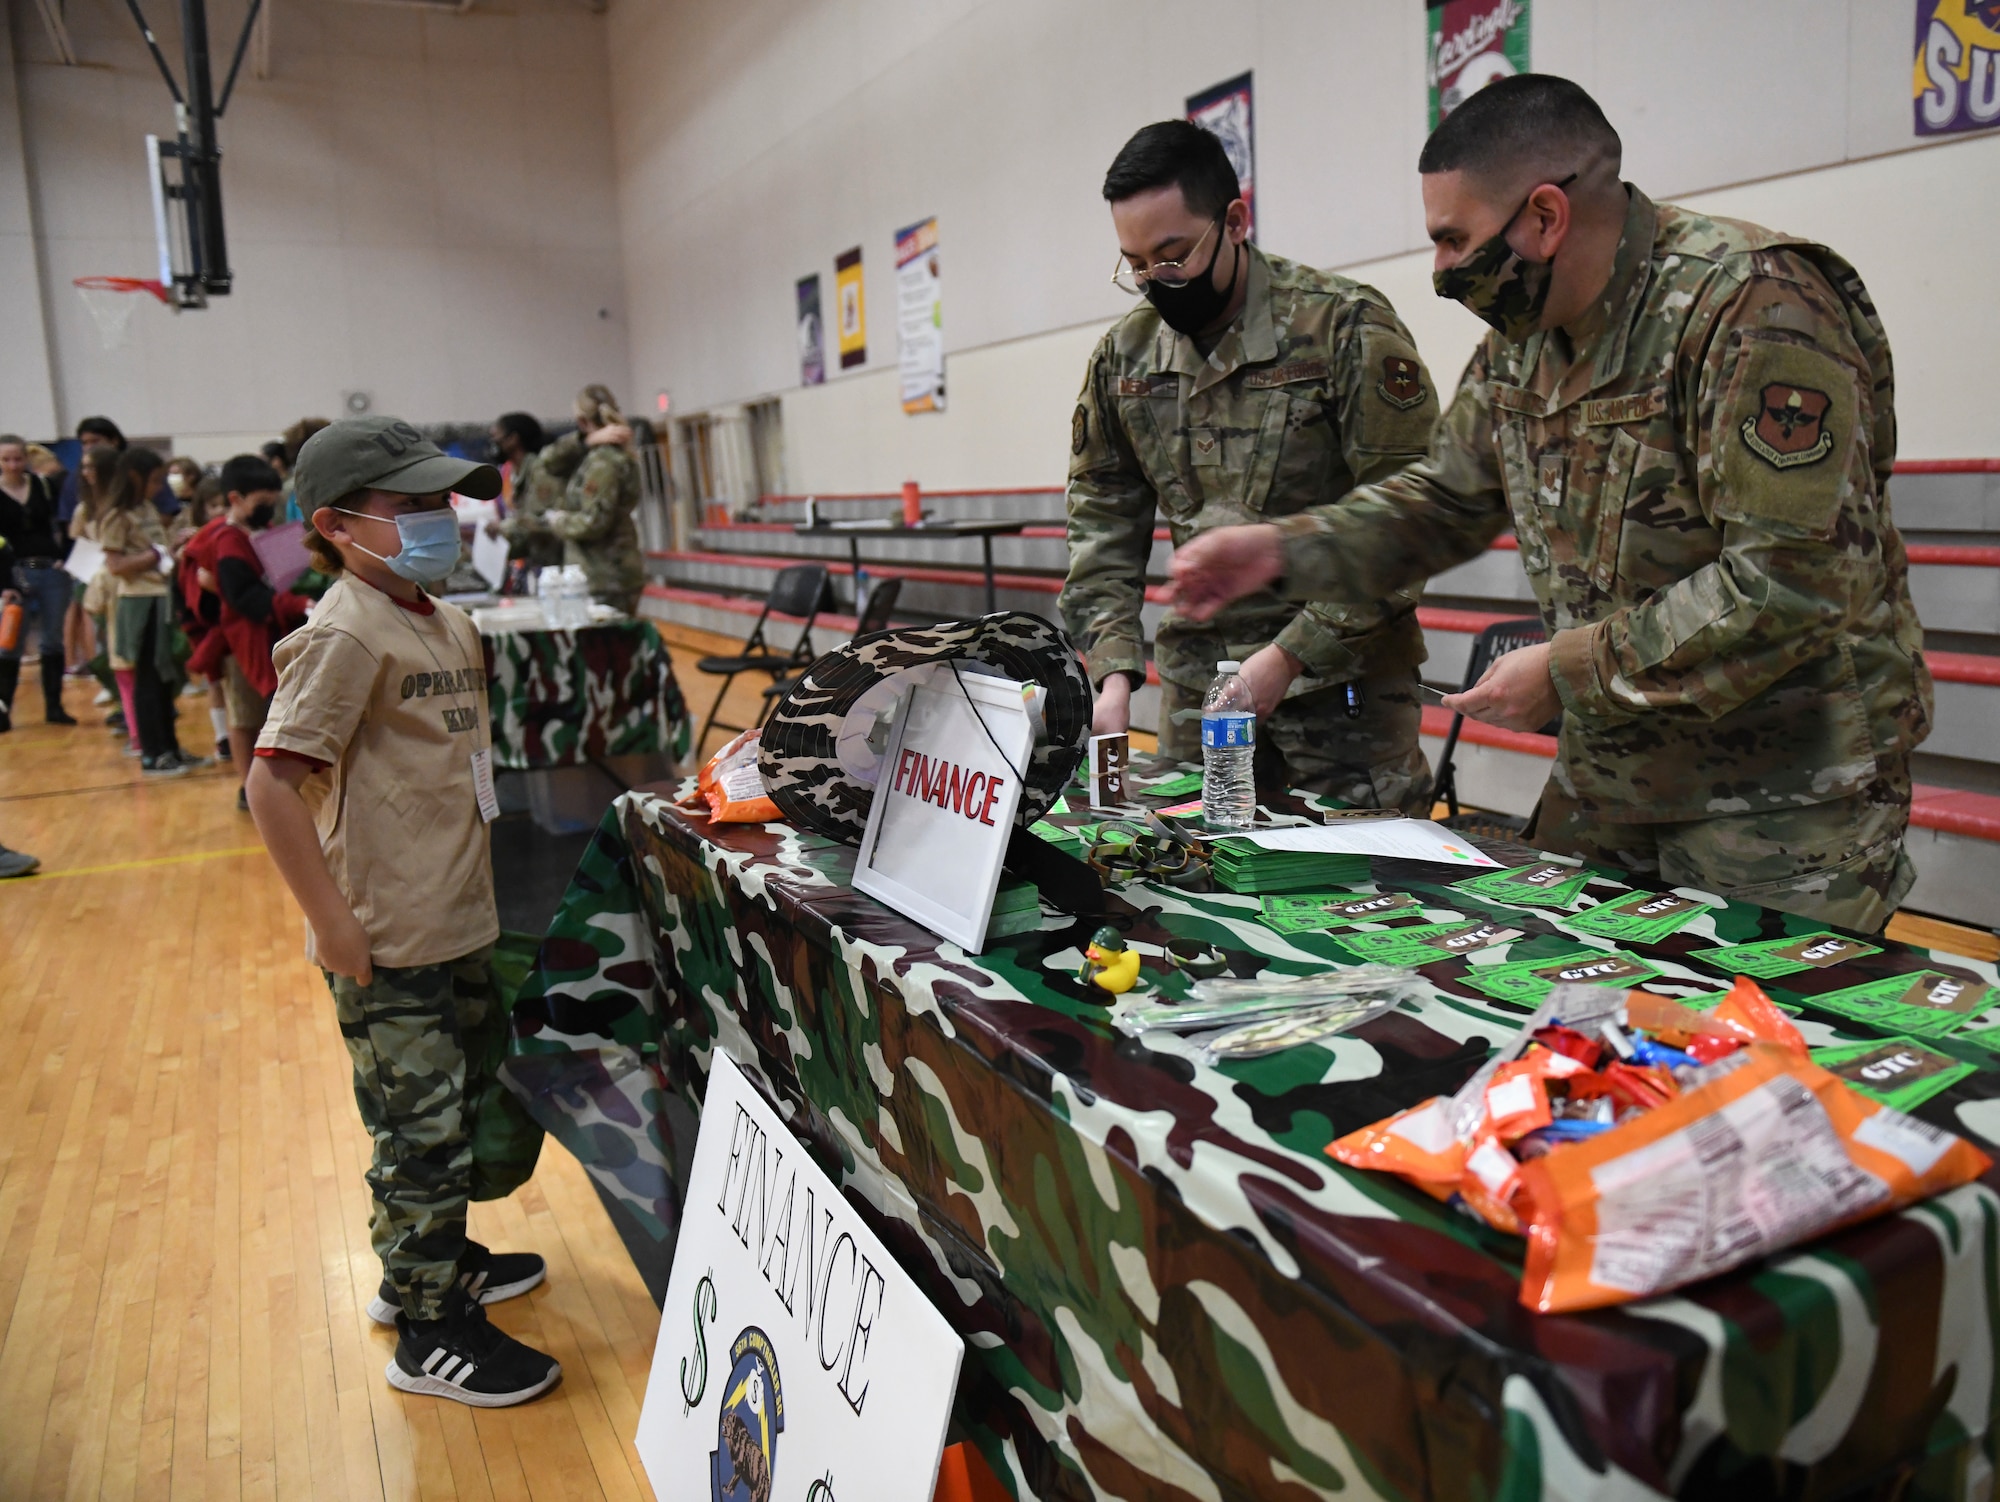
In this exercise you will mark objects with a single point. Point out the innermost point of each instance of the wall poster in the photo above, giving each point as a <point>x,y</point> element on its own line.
<point>1956,84</point>
<point>1471,43</point>
<point>919,318</point>
<point>852,312</point>
<point>1226,110</point>
<point>811,333</point>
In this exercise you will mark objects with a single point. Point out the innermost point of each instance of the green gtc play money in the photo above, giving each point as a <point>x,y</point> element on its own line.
<point>1642,918</point>
<point>1899,1072</point>
<point>1308,912</point>
<point>1530,980</point>
<point>1178,786</point>
<point>1773,959</point>
<point>1550,884</point>
<point>1928,1004</point>
<point>1425,943</point>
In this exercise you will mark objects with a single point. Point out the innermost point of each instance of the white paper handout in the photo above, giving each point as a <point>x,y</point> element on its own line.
<point>489,554</point>
<point>85,561</point>
<point>1394,839</point>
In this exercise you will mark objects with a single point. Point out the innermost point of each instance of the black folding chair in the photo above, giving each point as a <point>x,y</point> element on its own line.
<point>799,592</point>
<point>1495,642</point>
<point>874,617</point>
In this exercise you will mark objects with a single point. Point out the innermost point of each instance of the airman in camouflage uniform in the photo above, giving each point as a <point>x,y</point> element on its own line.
<point>595,517</point>
<point>539,481</point>
<point>1695,469</point>
<point>1314,388</point>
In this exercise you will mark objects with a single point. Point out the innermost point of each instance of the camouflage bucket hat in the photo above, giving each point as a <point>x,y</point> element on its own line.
<point>817,755</point>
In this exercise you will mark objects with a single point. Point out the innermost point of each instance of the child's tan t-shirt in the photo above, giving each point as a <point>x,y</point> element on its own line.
<point>391,705</point>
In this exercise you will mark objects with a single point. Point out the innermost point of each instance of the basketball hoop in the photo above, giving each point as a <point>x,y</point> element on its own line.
<point>110,304</point>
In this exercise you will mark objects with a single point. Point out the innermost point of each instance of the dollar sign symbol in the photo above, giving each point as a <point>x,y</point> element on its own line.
<point>695,1383</point>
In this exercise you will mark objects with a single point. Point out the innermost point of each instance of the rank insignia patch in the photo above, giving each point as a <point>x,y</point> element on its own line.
<point>1789,426</point>
<point>1402,383</point>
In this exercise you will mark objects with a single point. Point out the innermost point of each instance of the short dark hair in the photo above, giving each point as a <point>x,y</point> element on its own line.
<point>246,474</point>
<point>273,450</point>
<point>525,428</point>
<point>1530,120</point>
<point>101,427</point>
<point>1179,152</point>
<point>297,434</point>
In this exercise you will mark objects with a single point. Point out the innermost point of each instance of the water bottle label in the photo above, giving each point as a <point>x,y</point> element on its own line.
<point>1221,731</point>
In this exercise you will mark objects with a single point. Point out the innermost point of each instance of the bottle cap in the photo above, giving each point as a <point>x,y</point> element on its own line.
<point>1229,667</point>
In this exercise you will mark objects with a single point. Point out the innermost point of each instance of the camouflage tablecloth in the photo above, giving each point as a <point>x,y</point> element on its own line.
<point>1166,1289</point>
<point>563,698</point>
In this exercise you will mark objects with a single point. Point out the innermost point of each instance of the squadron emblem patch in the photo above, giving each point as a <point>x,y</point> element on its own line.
<point>1079,430</point>
<point>1402,385</point>
<point>1789,427</point>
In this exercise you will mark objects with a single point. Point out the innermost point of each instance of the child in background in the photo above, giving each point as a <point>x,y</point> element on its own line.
<point>251,617</point>
<point>201,606</point>
<point>134,540</point>
<point>372,786</point>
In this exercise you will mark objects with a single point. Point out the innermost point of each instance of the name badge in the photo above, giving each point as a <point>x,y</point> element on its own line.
<point>482,784</point>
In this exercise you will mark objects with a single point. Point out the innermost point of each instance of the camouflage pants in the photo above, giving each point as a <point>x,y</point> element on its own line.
<point>1840,862</point>
<point>1309,743</point>
<point>426,1043</point>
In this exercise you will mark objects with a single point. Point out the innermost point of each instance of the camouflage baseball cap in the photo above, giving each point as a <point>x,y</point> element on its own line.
<point>815,756</point>
<point>383,453</point>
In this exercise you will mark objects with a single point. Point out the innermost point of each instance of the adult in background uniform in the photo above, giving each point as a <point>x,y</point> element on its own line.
<point>535,489</point>
<point>1690,423</point>
<point>595,518</point>
<point>1244,387</point>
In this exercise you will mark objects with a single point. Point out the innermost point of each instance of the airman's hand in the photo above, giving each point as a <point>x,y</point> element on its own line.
<point>1224,565</point>
<point>1515,692</point>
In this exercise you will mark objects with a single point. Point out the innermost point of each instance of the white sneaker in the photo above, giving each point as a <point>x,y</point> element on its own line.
<point>105,696</point>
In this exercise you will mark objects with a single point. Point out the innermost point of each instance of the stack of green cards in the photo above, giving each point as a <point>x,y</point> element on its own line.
<point>1929,1004</point>
<point>1550,884</point>
<point>1069,841</point>
<point>1642,918</point>
<point>1900,1073</point>
<point>1242,867</point>
<point>1017,909</point>
<point>1180,785</point>
<point>1305,914</point>
<point>1530,980</point>
<point>1425,943</point>
<point>1773,959</point>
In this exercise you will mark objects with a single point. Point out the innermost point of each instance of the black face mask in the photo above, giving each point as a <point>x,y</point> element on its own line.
<point>260,516</point>
<point>1193,306</point>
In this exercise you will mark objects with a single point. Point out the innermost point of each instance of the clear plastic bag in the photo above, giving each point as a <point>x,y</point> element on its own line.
<point>1330,1002</point>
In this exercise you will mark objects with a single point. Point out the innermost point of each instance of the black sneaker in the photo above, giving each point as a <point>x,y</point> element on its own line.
<point>166,764</point>
<point>222,751</point>
<point>463,1357</point>
<point>488,1276</point>
<point>243,807</point>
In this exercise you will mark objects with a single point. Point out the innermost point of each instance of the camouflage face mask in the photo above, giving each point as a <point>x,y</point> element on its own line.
<point>1497,284</point>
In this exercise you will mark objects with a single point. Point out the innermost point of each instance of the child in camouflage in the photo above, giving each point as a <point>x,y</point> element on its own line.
<point>372,786</point>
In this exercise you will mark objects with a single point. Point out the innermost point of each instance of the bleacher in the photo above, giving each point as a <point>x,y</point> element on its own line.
<point>1949,513</point>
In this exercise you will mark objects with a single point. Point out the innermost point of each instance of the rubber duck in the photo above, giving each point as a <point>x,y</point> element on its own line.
<point>1108,964</point>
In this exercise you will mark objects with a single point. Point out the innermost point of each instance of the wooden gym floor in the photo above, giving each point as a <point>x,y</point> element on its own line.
<point>184,1258</point>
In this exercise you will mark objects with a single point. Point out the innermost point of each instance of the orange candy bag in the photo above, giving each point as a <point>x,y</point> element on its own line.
<point>1772,1153</point>
<point>733,786</point>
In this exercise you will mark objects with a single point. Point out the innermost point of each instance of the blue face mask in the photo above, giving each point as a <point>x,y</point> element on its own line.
<point>430,544</point>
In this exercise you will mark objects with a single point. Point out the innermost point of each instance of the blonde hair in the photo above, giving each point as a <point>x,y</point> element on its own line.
<point>596,407</point>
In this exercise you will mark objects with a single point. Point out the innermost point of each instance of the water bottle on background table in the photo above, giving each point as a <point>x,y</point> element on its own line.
<point>1228,749</point>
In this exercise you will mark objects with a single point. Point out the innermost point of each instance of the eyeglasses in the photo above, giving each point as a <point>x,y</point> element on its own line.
<point>1166,273</point>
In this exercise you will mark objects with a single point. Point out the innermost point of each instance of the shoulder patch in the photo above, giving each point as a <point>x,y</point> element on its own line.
<point>1402,383</point>
<point>1079,430</point>
<point>1285,375</point>
<point>1785,433</point>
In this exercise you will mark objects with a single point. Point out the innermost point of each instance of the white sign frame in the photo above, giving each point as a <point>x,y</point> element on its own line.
<point>942,868</point>
<point>759,1216</point>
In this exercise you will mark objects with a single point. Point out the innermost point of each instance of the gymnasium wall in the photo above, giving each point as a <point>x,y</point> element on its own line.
<point>420,206</point>
<point>757,139</point>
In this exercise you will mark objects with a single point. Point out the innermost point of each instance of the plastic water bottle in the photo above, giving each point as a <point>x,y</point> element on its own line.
<point>1228,749</point>
<point>575,597</point>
